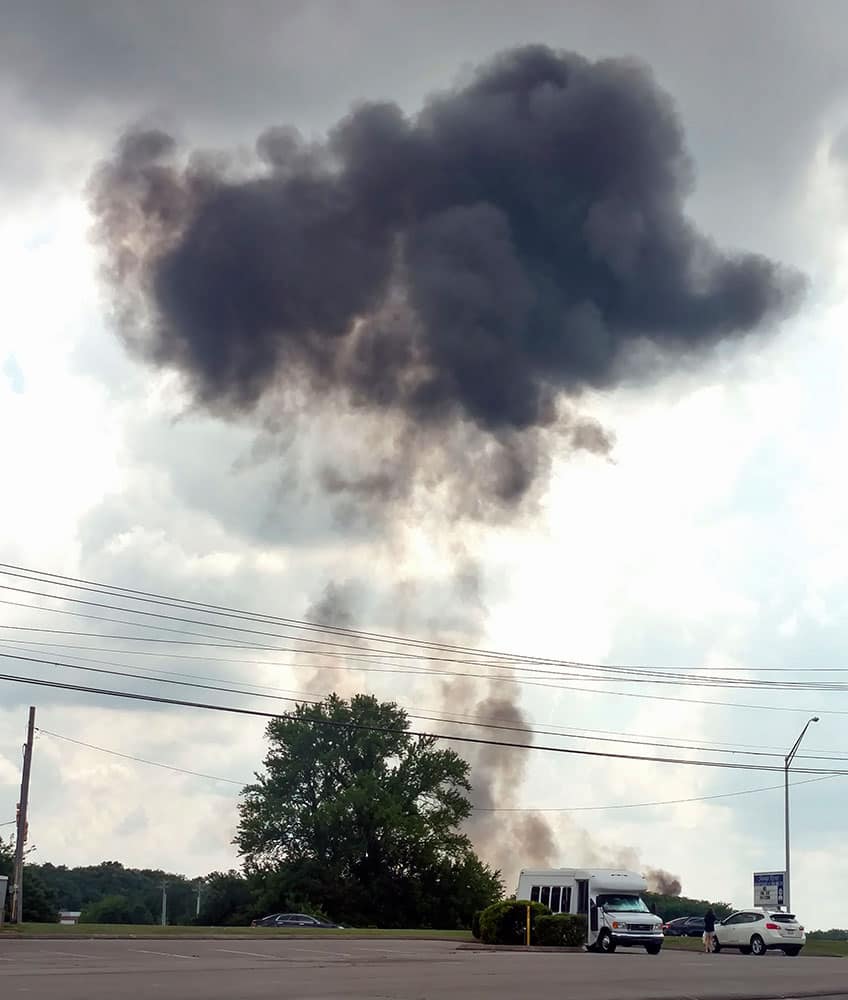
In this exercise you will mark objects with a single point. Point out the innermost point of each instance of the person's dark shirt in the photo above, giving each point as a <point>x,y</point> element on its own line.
<point>710,922</point>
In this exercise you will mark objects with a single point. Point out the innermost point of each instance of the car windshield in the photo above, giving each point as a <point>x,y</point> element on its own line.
<point>620,903</point>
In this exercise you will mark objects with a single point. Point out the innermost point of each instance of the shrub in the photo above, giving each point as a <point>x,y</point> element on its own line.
<point>475,925</point>
<point>506,922</point>
<point>561,930</point>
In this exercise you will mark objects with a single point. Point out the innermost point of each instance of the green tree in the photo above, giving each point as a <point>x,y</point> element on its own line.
<point>360,818</point>
<point>40,903</point>
<point>6,867</point>
<point>671,907</point>
<point>77,888</point>
<point>116,910</point>
<point>227,899</point>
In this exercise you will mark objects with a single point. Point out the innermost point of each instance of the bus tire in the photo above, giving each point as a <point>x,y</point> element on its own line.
<point>606,945</point>
<point>653,949</point>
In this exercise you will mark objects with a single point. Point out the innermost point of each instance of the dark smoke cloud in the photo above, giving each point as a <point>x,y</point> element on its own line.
<point>473,265</point>
<point>663,882</point>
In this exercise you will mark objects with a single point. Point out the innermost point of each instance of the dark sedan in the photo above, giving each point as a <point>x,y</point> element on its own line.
<point>685,927</point>
<point>303,920</point>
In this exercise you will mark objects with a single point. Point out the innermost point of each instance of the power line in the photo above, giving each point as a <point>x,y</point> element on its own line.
<point>478,809</point>
<point>300,698</point>
<point>513,664</point>
<point>501,680</point>
<point>125,593</point>
<point>142,760</point>
<point>389,730</point>
<point>93,635</point>
<point>356,666</point>
<point>666,802</point>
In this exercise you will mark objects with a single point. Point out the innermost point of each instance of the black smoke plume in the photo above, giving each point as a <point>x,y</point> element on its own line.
<point>476,265</point>
<point>663,882</point>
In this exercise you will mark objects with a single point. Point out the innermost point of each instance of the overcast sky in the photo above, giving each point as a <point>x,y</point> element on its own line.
<point>712,535</point>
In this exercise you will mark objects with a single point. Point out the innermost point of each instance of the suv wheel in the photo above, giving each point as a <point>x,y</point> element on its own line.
<point>758,946</point>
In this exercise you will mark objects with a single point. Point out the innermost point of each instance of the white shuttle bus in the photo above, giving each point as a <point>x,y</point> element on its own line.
<point>610,899</point>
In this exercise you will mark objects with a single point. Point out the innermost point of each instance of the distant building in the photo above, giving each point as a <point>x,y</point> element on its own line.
<point>69,916</point>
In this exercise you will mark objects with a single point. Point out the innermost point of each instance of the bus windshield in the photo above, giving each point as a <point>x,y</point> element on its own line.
<point>619,903</point>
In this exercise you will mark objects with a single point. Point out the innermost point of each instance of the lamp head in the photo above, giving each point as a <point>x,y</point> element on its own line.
<point>815,718</point>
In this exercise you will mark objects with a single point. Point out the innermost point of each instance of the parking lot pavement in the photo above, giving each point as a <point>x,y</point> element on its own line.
<point>406,970</point>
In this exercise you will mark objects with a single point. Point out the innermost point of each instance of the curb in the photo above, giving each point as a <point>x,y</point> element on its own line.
<point>539,949</point>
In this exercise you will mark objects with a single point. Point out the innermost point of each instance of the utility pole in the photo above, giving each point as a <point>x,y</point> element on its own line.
<point>199,891</point>
<point>17,914</point>
<point>164,904</point>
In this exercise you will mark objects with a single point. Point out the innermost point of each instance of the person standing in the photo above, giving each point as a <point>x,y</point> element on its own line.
<point>709,931</point>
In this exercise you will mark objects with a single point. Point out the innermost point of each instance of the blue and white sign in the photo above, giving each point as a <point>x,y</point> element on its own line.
<point>769,888</point>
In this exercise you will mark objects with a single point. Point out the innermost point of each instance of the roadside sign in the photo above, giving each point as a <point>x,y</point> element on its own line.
<point>769,888</point>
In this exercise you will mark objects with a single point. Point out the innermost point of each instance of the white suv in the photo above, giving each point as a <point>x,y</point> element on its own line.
<point>757,930</point>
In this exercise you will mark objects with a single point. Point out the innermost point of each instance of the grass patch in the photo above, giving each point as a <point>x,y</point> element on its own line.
<point>155,931</point>
<point>824,949</point>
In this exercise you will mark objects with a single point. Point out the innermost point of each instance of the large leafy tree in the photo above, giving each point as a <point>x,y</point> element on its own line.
<point>360,818</point>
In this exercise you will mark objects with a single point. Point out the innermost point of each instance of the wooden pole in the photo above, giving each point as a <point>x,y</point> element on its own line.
<point>17,914</point>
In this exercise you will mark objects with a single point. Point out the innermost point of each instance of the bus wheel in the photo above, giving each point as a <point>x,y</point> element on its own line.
<point>653,949</point>
<point>606,945</point>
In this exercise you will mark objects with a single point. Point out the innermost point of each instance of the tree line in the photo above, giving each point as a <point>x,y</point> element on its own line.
<point>352,818</point>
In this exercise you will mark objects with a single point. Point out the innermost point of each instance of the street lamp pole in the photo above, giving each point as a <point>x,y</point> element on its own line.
<point>787,763</point>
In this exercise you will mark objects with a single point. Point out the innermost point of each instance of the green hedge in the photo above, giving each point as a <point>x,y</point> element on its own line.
<point>475,925</point>
<point>562,930</point>
<point>506,922</point>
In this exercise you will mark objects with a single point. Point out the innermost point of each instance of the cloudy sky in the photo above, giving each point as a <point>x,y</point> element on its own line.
<point>677,504</point>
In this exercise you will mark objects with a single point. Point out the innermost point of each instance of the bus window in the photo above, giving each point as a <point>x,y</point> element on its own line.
<point>534,894</point>
<point>546,895</point>
<point>556,892</point>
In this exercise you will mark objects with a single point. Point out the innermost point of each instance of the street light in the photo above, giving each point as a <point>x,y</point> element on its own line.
<point>787,762</point>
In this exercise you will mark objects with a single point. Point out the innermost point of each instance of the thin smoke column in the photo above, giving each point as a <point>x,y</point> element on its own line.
<point>463,273</point>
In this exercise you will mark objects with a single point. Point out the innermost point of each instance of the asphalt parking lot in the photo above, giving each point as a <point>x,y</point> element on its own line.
<point>405,970</point>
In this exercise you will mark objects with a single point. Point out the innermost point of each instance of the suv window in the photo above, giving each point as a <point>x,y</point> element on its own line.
<point>783,918</point>
<point>737,918</point>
